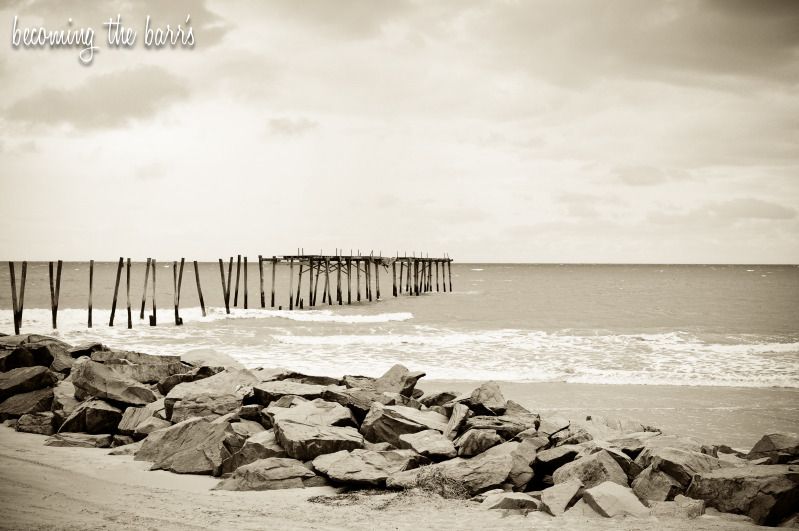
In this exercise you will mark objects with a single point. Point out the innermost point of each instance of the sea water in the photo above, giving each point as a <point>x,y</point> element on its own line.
<point>724,325</point>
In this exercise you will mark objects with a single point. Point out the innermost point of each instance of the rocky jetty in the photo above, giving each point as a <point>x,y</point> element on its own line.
<point>265,429</point>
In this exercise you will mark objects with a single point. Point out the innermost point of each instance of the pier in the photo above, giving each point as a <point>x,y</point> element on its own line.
<point>339,278</point>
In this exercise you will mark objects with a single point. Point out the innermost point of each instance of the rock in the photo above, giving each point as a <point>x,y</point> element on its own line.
<point>93,416</point>
<point>116,356</point>
<point>457,420</point>
<point>632,443</point>
<point>571,435</point>
<point>429,443</point>
<point>127,449</point>
<point>24,403</point>
<point>478,474</point>
<point>41,423</point>
<point>269,474</point>
<point>79,440</point>
<point>298,377</point>
<point>438,398</point>
<point>28,350</point>
<point>551,425</point>
<point>62,362</point>
<point>378,447</point>
<point>778,447</point>
<point>605,428</point>
<point>24,380</point>
<point>398,379</point>
<point>194,446</point>
<point>359,382</point>
<point>387,423</point>
<point>97,380</point>
<point>506,426</point>
<point>219,394</point>
<point>656,485</point>
<point>267,392</point>
<point>206,357</point>
<point>557,499</point>
<point>133,417</point>
<point>121,440</point>
<point>358,400</point>
<point>630,467</point>
<point>250,412</point>
<point>480,498</point>
<point>666,441</point>
<point>85,349</point>
<point>611,499</point>
<point>488,400</point>
<point>308,441</point>
<point>547,461</point>
<point>205,406</point>
<point>766,493</point>
<point>474,442</point>
<point>315,411</point>
<point>146,372</point>
<point>245,428</point>
<point>510,501</point>
<point>262,445</point>
<point>522,455</point>
<point>366,467</point>
<point>681,507</point>
<point>591,471</point>
<point>581,510</point>
<point>64,397</point>
<point>165,385</point>
<point>680,464</point>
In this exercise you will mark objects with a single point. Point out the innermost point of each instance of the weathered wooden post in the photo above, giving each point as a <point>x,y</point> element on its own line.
<point>245,282</point>
<point>116,291</point>
<point>177,282</point>
<point>91,283</point>
<point>199,288</point>
<point>339,298</point>
<point>437,276</point>
<point>310,281</point>
<point>225,294</point>
<point>144,291</point>
<point>18,303</point>
<point>394,278</point>
<point>55,289</point>
<point>449,269</point>
<point>358,279</point>
<point>274,264</point>
<point>238,273</point>
<point>299,284</point>
<point>261,279</point>
<point>154,316</point>
<point>378,263</point>
<point>316,282</point>
<point>367,264</point>
<point>349,280</point>
<point>327,282</point>
<point>291,279</point>
<point>127,293</point>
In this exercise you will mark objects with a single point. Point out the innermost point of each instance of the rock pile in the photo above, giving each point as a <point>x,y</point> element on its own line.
<point>272,429</point>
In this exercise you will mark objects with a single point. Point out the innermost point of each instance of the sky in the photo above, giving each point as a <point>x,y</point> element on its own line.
<point>507,131</point>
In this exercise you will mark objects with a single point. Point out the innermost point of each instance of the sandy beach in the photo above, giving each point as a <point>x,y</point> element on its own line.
<point>85,488</point>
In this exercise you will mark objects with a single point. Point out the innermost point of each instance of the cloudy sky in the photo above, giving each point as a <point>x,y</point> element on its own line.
<point>568,131</point>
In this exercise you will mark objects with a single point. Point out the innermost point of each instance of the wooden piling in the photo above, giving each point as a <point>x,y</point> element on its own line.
<point>394,278</point>
<point>261,279</point>
<point>339,298</point>
<point>245,282</point>
<point>18,303</point>
<point>200,289</point>
<point>299,285</point>
<point>358,280</point>
<point>449,269</point>
<point>437,276</point>
<point>55,290</point>
<point>238,273</point>
<point>291,288</point>
<point>127,294</point>
<point>154,316</point>
<point>327,282</point>
<point>116,291</point>
<point>377,278</point>
<point>274,263</point>
<point>349,281</point>
<point>177,282</point>
<point>310,282</point>
<point>224,289</point>
<point>316,282</point>
<point>368,265</point>
<point>144,291</point>
<point>91,283</point>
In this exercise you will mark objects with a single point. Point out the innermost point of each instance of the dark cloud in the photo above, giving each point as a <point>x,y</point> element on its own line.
<point>104,101</point>
<point>291,126</point>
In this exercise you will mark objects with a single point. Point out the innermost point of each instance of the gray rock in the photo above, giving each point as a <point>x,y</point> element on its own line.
<point>205,406</point>
<point>207,357</point>
<point>630,467</point>
<point>85,349</point>
<point>517,501</point>
<point>488,399</point>
<point>457,420</point>
<point>127,449</point>
<point>194,446</point>
<point>632,443</point>
<point>438,398</point>
<point>96,380</point>
<point>557,499</point>
<point>93,416</point>
<point>387,423</point>
<point>28,350</point>
<point>429,443</point>
<point>308,441</point>
<point>121,440</point>
<point>522,455</point>
<point>778,447</point>
<point>506,426</point>
<point>547,461</point>
<point>766,493</point>
<point>315,411</point>
<point>552,425</point>
<point>149,425</point>
<point>79,440</point>
<point>31,402</point>
<point>666,441</point>
<point>591,471</point>
<point>366,467</point>
<point>681,507</point>
<point>656,485</point>
<point>24,380</point>
<point>219,394</point>
<point>261,445</point>
<point>267,392</point>
<point>571,435</point>
<point>64,397</point>
<point>269,474</point>
<point>611,499</point>
<point>474,442</point>
<point>478,474</point>
<point>133,417</point>
<point>680,464</point>
<point>398,379</point>
<point>41,423</point>
<point>115,356</point>
<point>358,400</point>
<point>165,385</point>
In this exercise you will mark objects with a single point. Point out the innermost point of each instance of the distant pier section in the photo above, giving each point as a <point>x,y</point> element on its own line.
<point>338,279</point>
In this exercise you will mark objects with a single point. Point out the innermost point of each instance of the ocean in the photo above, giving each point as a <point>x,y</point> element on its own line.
<point>717,325</point>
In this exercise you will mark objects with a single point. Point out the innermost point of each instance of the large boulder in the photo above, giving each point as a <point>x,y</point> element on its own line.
<point>778,447</point>
<point>261,445</point>
<point>96,380</point>
<point>117,356</point>
<point>41,423</point>
<point>30,402</point>
<point>766,493</point>
<point>478,474</point>
<point>133,417</point>
<point>93,416</point>
<point>438,398</point>
<point>146,372</point>
<point>632,443</point>
<point>681,507</point>
<point>270,474</point>
<point>64,400</point>
<point>358,400</point>
<point>219,394</point>
<point>457,420</point>
<point>24,380</point>
<point>312,412</point>
<point>547,461</point>
<point>656,485</point>
<point>267,392</point>
<point>474,442</point>
<point>506,426</point>
<point>398,379</point>
<point>307,441</point>
<point>387,423</point>
<point>591,471</point>
<point>653,444</point>
<point>366,467</point>
<point>79,440</point>
<point>611,499</point>
<point>194,446</point>
<point>207,357</point>
<point>681,464</point>
<point>429,443</point>
<point>85,349</point>
<point>557,499</point>
<point>28,350</point>
<point>487,399</point>
<point>165,385</point>
<point>513,501</point>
